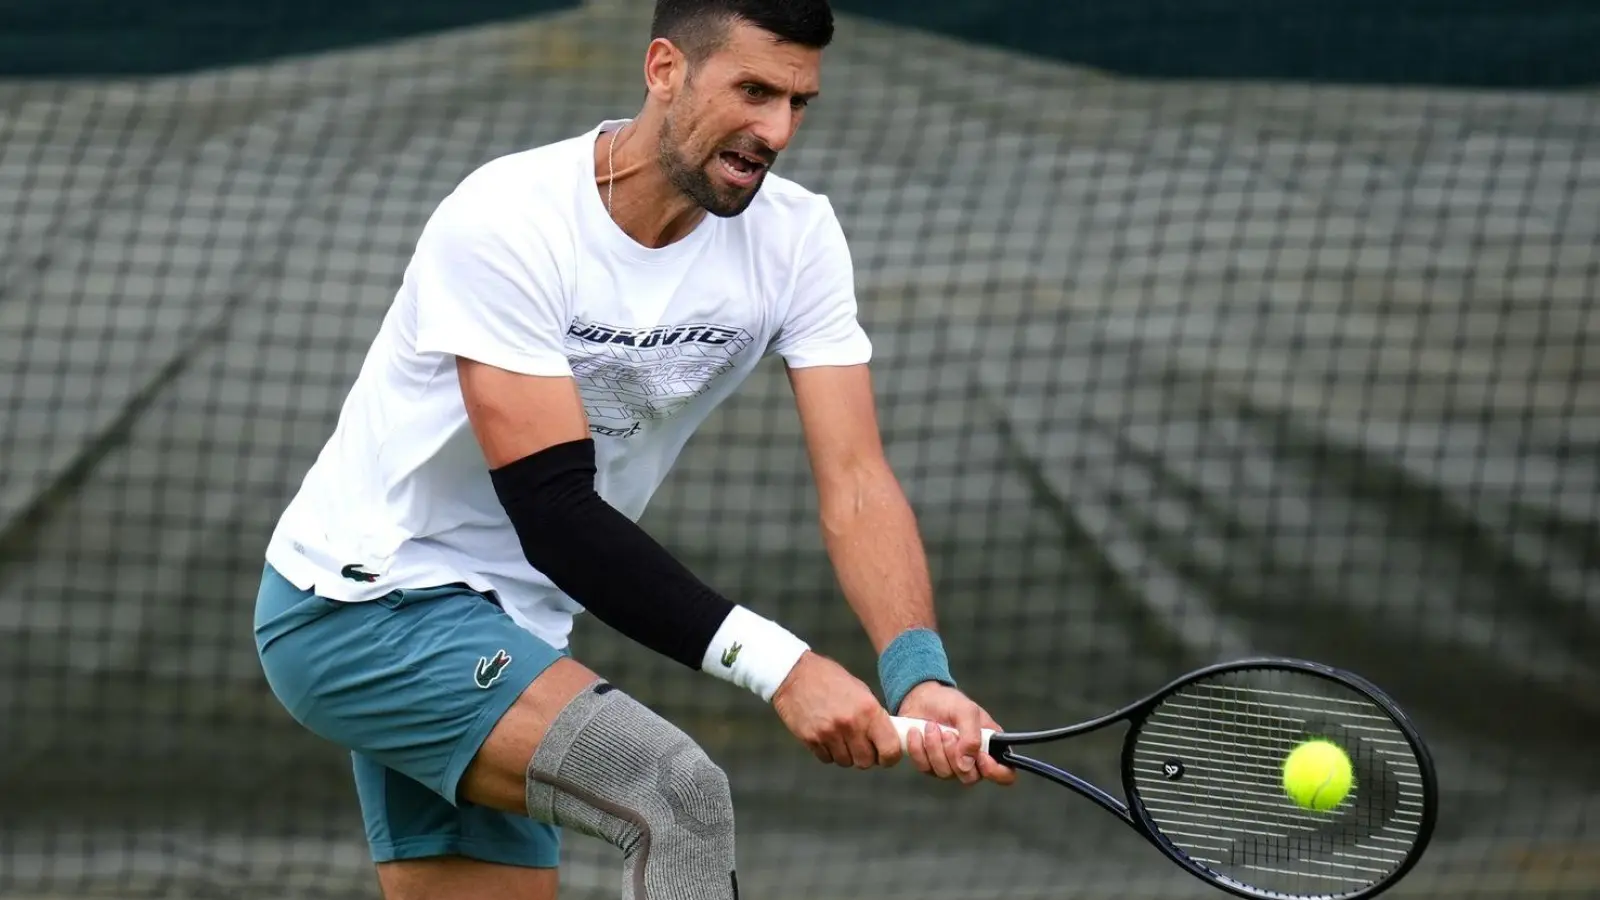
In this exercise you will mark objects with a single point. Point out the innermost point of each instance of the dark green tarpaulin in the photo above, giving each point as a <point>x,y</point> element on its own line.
<point>1535,43</point>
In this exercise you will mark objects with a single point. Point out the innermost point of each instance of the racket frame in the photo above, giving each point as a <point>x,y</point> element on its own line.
<point>1002,746</point>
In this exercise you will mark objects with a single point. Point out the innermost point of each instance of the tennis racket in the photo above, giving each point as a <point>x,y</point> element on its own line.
<point>1202,777</point>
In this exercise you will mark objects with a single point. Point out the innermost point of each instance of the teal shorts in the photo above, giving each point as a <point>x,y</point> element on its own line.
<point>411,684</point>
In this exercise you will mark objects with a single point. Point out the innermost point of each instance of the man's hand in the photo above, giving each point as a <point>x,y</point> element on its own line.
<point>945,755</point>
<point>836,715</point>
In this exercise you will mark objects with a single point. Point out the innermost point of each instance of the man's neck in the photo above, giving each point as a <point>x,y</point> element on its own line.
<point>642,202</point>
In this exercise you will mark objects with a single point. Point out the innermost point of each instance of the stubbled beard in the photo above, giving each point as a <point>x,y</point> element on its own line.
<point>695,181</point>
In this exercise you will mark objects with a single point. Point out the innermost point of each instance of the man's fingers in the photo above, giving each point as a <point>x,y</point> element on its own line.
<point>839,751</point>
<point>994,771</point>
<point>965,768</point>
<point>862,752</point>
<point>938,742</point>
<point>971,737</point>
<point>885,739</point>
<point>989,767</point>
<point>917,749</point>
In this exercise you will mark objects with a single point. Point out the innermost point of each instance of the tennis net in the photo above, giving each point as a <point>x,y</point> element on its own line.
<point>1208,358</point>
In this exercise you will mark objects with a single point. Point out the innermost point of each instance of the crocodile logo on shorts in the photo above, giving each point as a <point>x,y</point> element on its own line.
<point>490,670</point>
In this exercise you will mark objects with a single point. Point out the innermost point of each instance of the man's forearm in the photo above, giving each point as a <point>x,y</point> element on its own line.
<point>568,532</point>
<point>872,539</point>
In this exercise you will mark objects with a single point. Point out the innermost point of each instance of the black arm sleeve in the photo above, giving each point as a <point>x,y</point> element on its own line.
<point>601,558</point>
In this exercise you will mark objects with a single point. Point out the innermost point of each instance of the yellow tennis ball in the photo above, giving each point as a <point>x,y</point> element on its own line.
<point>1317,775</point>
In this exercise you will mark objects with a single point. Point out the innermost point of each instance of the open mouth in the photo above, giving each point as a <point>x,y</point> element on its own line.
<point>742,168</point>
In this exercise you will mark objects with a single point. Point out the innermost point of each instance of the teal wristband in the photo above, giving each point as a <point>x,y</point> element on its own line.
<point>915,656</point>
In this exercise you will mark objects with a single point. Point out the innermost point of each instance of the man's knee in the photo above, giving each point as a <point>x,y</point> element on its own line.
<point>610,767</point>
<point>497,775</point>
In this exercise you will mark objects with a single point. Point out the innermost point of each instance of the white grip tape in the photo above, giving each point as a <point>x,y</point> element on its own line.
<point>905,725</point>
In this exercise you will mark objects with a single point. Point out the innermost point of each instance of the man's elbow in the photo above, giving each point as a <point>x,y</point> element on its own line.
<point>854,492</point>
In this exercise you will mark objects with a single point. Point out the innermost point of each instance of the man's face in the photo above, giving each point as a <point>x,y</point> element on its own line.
<point>738,108</point>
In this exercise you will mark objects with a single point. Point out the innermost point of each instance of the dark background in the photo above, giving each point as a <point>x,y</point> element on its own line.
<point>1463,42</point>
<point>1300,361</point>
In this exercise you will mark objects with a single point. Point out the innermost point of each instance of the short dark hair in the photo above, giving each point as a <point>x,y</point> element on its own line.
<point>698,27</point>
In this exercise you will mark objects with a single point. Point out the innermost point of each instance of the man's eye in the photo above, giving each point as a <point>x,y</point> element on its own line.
<point>753,91</point>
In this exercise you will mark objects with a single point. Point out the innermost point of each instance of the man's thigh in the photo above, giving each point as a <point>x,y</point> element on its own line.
<point>411,684</point>
<point>410,823</point>
<point>456,878</point>
<point>414,681</point>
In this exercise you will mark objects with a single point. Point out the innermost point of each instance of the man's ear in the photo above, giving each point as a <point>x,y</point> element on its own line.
<point>666,68</point>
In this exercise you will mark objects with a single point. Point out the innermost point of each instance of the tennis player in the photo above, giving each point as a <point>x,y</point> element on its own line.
<point>571,314</point>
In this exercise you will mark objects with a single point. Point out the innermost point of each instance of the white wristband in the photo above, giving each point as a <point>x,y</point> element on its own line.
<point>752,652</point>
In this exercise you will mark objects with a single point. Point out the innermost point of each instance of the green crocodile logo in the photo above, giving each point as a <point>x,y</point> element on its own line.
<point>354,572</point>
<point>490,670</point>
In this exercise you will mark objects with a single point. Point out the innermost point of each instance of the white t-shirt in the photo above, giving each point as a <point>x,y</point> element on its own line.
<point>522,268</point>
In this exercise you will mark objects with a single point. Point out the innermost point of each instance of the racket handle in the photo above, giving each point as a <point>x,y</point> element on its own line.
<point>905,725</point>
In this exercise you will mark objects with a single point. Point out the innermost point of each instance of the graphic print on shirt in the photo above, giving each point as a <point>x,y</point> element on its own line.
<point>631,375</point>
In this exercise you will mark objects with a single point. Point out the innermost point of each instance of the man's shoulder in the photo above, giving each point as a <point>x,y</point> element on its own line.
<point>547,163</point>
<point>785,212</point>
<point>524,182</point>
<point>786,197</point>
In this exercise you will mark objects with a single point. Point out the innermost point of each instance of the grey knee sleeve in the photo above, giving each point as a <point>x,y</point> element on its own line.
<point>610,768</point>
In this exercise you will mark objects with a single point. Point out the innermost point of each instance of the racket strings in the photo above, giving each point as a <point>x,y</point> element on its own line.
<point>1208,768</point>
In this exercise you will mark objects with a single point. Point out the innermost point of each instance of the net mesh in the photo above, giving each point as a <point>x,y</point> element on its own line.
<point>1173,370</point>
